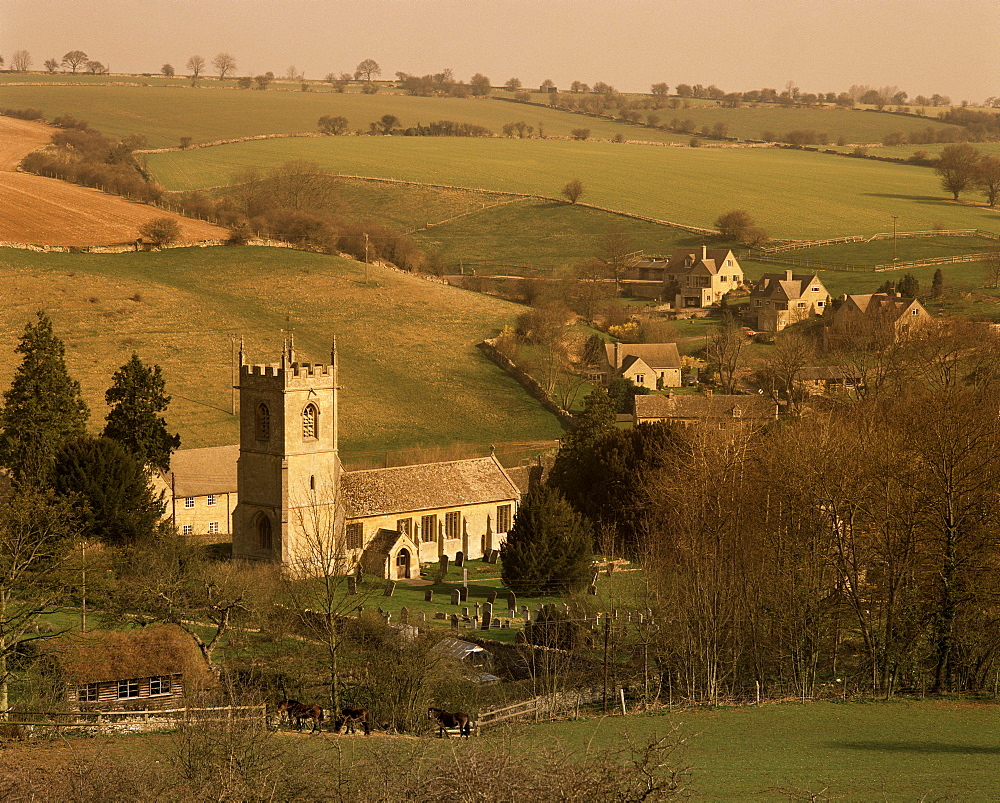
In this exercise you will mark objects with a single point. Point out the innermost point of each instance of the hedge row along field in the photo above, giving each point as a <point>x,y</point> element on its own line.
<point>790,193</point>
<point>412,375</point>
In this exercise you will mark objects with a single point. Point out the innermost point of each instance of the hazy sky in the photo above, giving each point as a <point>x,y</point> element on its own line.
<point>923,46</point>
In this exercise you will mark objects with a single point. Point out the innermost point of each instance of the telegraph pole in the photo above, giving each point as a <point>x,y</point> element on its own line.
<point>894,219</point>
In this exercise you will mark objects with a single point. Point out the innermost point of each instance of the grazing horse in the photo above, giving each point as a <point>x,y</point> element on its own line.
<point>447,720</point>
<point>351,717</point>
<point>297,711</point>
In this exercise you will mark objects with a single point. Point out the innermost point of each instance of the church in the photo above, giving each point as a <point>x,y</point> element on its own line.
<point>294,504</point>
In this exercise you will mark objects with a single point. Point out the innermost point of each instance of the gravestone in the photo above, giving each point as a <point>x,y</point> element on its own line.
<point>390,586</point>
<point>512,601</point>
<point>454,621</point>
<point>428,595</point>
<point>440,615</point>
<point>487,614</point>
<point>565,611</point>
<point>505,624</point>
<point>421,616</point>
<point>443,560</point>
<point>494,554</point>
<point>463,593</point>
<point>387,616</point>
<point>477,609</point>
<point>492,597</point>
<point>404,615</point>
<point>592,590</point>
<point>475,623</point>
<point>465,577</point>
<point>352,584</point>
<point>465,611</point>
<point>495,623</point>
<point>594,581</point>
<point>456,596</point>
<point>639,618</point>
<point>525,613</point>
<point>460,559</point>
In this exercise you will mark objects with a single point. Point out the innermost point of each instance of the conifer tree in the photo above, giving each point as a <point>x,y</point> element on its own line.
<point>137,396</point>
<point>597,418</point>
<point>549,548</point>
<point>937,284</point>
<point>43,407</point>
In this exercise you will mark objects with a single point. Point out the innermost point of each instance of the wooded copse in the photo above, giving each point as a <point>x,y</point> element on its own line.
<point>852,550</point>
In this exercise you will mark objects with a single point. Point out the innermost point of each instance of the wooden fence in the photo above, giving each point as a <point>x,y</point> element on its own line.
<point>819,264</point>
<point>884,235</point>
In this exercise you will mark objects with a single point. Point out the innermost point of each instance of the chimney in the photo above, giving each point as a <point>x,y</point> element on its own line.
<point>704,252</point>
<point>617,361</point>
<point>788,275</point>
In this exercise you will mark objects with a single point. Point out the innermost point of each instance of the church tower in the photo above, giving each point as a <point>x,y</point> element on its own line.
<point>289,470</point>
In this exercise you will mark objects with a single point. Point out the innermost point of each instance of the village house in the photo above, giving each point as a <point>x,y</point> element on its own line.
<point>781,299</point>
<point>690,278</point>
<point>200,489</point>
<point>716,411</point>
<point>153,668</point>
<point>826,380</point>
<point>648,365</point>
<point>884,315</point>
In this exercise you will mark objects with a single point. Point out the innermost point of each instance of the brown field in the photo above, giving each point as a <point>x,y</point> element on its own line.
<point>45,211</point>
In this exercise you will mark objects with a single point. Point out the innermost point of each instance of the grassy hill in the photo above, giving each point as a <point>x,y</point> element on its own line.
<point>412,376</point>
<point>791,193</point>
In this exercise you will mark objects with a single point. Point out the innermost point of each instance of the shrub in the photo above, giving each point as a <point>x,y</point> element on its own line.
<point>161,231</point>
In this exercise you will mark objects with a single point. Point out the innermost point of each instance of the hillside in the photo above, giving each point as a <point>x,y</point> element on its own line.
<point>44,211</point>
<point>790,193</point>
<point>412,376</point>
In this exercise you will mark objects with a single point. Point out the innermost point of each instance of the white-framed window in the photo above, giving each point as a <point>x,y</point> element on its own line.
<point>801,305</point>
<point>88,692</point>
<point>213,526</point>
<point>914,312</point>
<point>159,685</point>
<point>188,501</point>
<point>759,303</point>
<point>820,303</point>
<point>211,500</point>
<point>128,688</point>
<point>815,288</point>
<point>187,529</point>
<point>729,263</point>
<point>640,378</point>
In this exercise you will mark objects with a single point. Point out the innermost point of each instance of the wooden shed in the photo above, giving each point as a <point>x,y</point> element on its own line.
<point>152,668</point>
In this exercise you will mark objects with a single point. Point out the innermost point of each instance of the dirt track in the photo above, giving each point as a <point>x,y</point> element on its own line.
<point>45,211</point>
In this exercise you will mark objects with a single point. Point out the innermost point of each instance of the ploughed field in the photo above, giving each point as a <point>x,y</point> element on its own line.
<point>45,211</point>
<point>790,193</point>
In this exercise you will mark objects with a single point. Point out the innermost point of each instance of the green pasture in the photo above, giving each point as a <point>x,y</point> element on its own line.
<point>881,252</point>
<point>214,110</point>
<point>525,236</point>
<point>790,193</point>
<point>412,376</point>
<point>902,750</point>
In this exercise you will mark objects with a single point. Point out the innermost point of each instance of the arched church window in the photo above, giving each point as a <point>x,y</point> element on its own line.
<point>263,422</point>
<point>309,416</point>
<point>263,532</point>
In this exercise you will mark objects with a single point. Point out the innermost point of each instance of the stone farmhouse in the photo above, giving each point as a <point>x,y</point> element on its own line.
<point>689,278</point>
<point>781,299</point>
<point>287,498</point>
<point>712,410</point>
<point>648,365</point>
<point>887,314</point>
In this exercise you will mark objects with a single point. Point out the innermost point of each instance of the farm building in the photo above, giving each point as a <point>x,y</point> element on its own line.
<point>711,409</point>
<point>153,668</point>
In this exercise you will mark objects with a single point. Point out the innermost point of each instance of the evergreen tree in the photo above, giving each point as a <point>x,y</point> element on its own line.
<point>117,502</point>
<point>549,548</point>
<point>909,286</point>
<point>937,284</point>
<point>137,395</point>
<point>598,417</point>
<point>42,409</point>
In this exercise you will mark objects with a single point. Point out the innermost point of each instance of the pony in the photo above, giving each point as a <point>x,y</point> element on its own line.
<point>351,717</point>
<point>446,720</point>
<point>297,711</point>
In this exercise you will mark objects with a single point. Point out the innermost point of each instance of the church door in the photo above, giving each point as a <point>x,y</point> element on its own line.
<point>403,565</point>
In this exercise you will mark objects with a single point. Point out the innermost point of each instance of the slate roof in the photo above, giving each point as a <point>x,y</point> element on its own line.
<point>712,261</point>
<point>655,355</point>
<point>198,472</point>
<point>428,486</point>
<point>527,477</point>
<point>700,406</point>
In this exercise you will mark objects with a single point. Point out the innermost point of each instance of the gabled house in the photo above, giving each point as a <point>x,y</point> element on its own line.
<point>200,489</point>
<point>717,411</point>
<point>827,379</point>
<point>880,315</point>
<point>692,278</point>
<point>648,365</point>
<point>781,299</point>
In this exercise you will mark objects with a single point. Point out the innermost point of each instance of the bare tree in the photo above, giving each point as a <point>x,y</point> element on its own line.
<point>51,65</point>
<point>368,70</point>
<point>74,59</point>
<point>21,61</point>
<point>725,350</point>
<point>224,65</point>
<point>167,70</point>
<point>195,66</point>
<point>573,190</point>
<point>617,252</point>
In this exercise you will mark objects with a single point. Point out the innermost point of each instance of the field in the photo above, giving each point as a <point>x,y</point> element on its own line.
<point>790,193</point>
<point>44,211</point>
<point>898,751</point>
<point>412,376</point>
<point>209,112</point>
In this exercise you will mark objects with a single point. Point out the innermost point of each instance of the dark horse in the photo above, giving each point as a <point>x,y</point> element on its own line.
<point>351,717</point>
<point>447,720</point>
<point>297,711</point>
